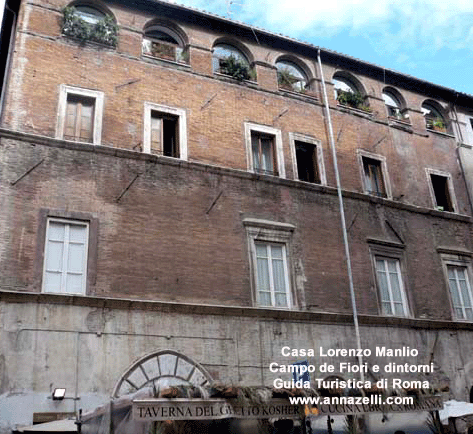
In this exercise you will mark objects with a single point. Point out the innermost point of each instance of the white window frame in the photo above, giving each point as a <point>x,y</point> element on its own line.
<point>296,137</point>
<point>469,129</point>
<point>400,282</point>
<point>263,129</point>
<point>66,222</point>
<point>384,171</point>
<point>265,231</point>
<point>451,191</point>
<point>182,126</point>
<point>388,250</point>
<point>64,91</point>
<point>458,260</point>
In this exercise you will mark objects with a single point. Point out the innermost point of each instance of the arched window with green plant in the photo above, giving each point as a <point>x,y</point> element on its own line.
<point>291,76</point>
<point>162,42</point>
<point>87,23</point>
<point>229,60</point>
<point>349,92</point>
<point>395,105</point>
<point>435,120</point>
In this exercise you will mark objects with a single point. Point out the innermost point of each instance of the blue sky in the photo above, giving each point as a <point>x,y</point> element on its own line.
<point>431,40</point>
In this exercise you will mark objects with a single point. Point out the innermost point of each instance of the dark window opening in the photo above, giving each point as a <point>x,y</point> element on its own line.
<point>165,135</point>
<point>307,168</point>
<point>7,42</point>
<point>442,193</point>
<point>471,394</point>
<point>374,182</point>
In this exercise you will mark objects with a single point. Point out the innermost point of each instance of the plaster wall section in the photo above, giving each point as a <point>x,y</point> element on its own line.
<point>86,348</point>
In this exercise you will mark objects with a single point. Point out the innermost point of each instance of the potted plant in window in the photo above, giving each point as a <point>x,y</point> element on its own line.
<point>287,81</point>
<point>104,31</point>
<point>234,68</point>
<point>351,99</point>
<point>438,124</point>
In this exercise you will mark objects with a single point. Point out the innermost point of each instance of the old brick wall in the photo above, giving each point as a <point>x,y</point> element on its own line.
<point>216,107</point>
<point>163,239</point>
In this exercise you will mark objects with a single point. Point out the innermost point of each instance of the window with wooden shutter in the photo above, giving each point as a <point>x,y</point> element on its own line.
<point>79,122</point>
<point>164,135</point>
<point>374,183</point>
<point>264,157</point>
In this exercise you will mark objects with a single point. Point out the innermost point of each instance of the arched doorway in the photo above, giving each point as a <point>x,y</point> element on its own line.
<point>161,369</point>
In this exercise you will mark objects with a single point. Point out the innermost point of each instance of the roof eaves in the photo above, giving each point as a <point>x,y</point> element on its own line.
<point>314,47</point>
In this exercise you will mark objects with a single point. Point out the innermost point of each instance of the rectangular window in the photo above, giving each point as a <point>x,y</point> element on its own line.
<point>373,177</point>
<point>269,247</point>
<point>264,156</point>
<point>164,134</point>
<point>460,291</point>
<point>271,275</point>
<point>165,131</point>
<point>80,115</point>
<point>264,150</point>
<point>440,186</point>
<point>307,162</point>
<point>79,123</point>
<point>390,286</point>
<point>65,257</point>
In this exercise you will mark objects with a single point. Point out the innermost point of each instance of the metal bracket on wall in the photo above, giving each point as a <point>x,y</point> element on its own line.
<point>214,202</point>
<point>27,172</point>
<point>127,188</point>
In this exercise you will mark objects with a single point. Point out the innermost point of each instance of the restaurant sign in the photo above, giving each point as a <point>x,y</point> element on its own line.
<point>203,409</point>
<point>426,403</point>
<point>206,409</point>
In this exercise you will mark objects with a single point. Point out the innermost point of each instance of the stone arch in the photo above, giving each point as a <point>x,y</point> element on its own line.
<point>298,73</point>
<point>167,27</point>
<point>99,7</point>
<point>347,80</point>
<point>237,45</point>
<point>161,369</point>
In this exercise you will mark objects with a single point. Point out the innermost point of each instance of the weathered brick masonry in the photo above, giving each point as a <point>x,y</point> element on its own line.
<point>164,240</point>
<point>170,260</point>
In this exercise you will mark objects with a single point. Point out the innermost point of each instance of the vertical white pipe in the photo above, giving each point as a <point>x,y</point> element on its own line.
<point>342,216</point>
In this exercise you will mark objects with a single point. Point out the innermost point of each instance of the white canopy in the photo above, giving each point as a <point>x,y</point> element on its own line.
<point>65,425</point>
<point>454,409</point>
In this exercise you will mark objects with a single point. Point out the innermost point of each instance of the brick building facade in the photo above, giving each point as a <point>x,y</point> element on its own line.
<point>151,199</point>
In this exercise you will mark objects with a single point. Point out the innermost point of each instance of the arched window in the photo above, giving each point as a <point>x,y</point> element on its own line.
<point>85,22</point>
<point>434,119</point>
<point>229,60</point>
<point>164,43</point>
<point>291,76</point>
<point>88,13</point>
<point>162,369</point>
<point>394,105</point>
<point>347,91</point>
